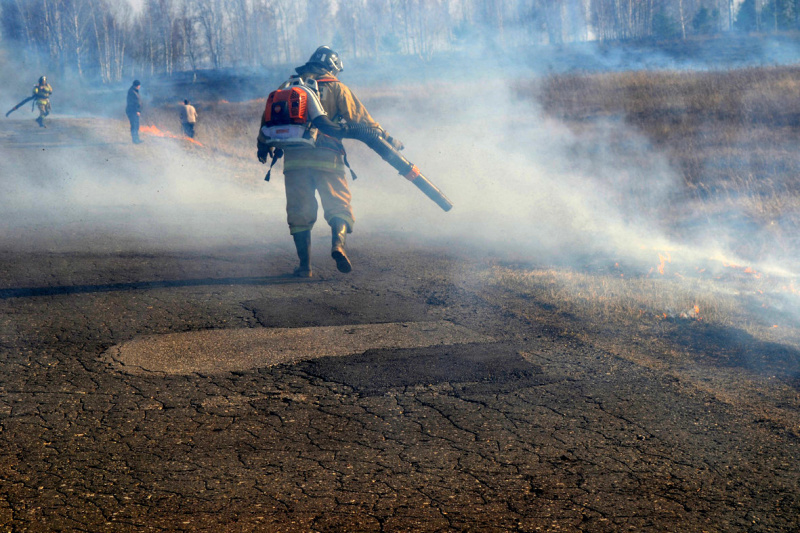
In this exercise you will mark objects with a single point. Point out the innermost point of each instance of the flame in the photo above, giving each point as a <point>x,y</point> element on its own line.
<point>747,270</point>
<point>152,130</point>
<point>663,260</point>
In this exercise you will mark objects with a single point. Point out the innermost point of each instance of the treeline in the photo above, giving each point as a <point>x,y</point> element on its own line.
<point>110,40</point>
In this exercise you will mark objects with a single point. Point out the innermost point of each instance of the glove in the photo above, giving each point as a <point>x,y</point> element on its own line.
<point>263,153</point>
<point>396,144</point>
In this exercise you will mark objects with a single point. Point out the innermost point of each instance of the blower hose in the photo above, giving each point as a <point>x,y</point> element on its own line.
<point>374,138</point>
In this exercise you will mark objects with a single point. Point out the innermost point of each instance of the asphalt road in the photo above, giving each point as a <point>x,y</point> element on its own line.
<point>479,419</point>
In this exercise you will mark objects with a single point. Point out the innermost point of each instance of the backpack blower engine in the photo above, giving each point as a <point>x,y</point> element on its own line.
<point>294,116</point>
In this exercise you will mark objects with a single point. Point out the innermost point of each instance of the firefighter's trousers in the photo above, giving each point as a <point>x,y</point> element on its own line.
<point>44,108</point>
<point>301,201</point>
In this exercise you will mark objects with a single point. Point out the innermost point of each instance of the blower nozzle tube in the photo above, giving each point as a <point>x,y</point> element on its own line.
<point>373,138</point>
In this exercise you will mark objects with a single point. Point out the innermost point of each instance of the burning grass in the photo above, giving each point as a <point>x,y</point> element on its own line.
<point>732,137</point>
<point>226,131</point>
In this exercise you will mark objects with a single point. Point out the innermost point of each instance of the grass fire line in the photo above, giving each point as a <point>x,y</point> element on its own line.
<point>154,131</point>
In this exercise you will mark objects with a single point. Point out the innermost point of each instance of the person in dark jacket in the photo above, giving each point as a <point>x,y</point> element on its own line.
<point>134,110</point>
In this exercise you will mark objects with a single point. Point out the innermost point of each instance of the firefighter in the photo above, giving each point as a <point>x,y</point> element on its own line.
<point>321,169</point>
<point>41,98</point>
<point>134,110</point>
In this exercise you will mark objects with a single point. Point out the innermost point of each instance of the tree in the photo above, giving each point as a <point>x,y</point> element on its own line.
<point>664,26</point>
<point>746,18</point>
<point>705,21</point>
<point>780,14</point>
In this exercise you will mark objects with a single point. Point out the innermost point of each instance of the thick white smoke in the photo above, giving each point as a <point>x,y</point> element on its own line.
<point>71,186</point>
<point>520,182</point>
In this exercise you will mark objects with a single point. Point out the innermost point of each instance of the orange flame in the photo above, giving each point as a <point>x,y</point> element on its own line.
<point>152,130</point>
<point>747,270</point>
<point>663,260</point>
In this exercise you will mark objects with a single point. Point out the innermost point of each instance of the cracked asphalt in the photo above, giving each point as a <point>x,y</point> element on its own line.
<point>531,431</point>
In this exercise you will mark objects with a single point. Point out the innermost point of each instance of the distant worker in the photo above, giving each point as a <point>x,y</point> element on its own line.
<point>321,168</point>
<point>134,110</point>
<point>188,116</point>
<point>41,97</point>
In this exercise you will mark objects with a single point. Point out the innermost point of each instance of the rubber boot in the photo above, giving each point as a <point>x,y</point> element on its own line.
<point>302,241</point>
<point>40,121</point>
<point>338,232</point>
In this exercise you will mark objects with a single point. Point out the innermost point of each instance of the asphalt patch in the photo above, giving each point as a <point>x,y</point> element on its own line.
<point>377,371</point>
<point>225,350</point>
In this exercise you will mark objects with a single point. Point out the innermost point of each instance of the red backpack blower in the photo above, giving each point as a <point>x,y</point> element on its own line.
<point>294,117</point>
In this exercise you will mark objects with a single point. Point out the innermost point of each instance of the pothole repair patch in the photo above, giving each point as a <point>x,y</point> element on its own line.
<point>226,350</point>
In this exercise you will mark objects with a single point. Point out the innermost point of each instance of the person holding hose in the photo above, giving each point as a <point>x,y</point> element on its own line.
<point>41,97</point>
<point>309,170</point>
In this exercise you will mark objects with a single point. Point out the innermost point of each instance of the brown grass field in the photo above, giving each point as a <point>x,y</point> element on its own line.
<point>733,138</point>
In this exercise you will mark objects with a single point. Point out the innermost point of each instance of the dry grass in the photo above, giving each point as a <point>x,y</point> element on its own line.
<point>226,130</point>
<point>729,132</point>
<point>734,138</point>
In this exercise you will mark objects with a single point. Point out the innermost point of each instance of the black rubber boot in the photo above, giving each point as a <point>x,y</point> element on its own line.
<point>338,232</point>
<point>302,241</point>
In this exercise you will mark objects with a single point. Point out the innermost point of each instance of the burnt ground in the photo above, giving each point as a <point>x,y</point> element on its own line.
<point>530,430</point>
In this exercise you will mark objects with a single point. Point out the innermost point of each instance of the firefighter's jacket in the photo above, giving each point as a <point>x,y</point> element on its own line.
<point>41,93</point>
<point>341,104</point>
<point>134,102</point>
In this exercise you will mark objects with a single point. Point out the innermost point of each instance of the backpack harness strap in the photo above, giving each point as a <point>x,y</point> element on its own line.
<point>331,79</point>
<point>279,153</point>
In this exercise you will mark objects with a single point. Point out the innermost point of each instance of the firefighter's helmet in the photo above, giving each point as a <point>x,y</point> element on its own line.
<point>327,58</point>
<point>42,80</point>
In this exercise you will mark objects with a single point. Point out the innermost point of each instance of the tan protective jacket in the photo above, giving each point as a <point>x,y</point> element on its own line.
<point>340,103</point>
<point>42,93</point>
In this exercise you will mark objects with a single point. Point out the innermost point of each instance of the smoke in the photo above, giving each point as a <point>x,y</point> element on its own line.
<point>528,189</point>
<point>525,186</point>
<point>520,182</point>
<point>68,187</point>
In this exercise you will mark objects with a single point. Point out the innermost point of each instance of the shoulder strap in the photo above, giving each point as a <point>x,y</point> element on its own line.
<point>326,79</point>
